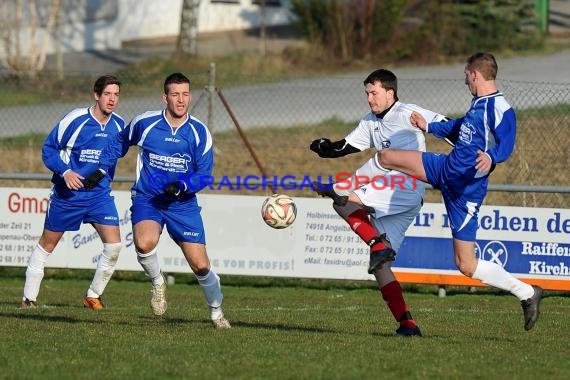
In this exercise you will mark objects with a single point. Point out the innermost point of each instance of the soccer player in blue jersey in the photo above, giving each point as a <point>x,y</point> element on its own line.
<point>175,155</point>
<point>72,151</point>
<point>484,137</point>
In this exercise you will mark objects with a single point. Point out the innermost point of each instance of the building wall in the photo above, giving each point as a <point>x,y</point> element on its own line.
<point>107,24</point>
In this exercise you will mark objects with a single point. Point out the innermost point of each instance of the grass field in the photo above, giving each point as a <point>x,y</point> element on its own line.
<point>279,332</point>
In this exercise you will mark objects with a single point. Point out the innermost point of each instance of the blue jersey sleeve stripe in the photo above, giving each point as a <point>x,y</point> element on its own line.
<point>68,119</point>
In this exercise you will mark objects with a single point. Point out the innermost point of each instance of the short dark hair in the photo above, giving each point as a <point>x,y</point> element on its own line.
<point>175,78</point>
<point>103,81</point>
<point>387,79</point>
<point>485,63</point>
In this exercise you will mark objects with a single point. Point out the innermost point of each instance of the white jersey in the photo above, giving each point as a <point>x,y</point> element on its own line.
<point>395,197</point>
<point>394,130</point>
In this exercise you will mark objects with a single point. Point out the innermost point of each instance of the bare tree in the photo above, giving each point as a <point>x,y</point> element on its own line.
<point>262,28</point>
<point>19,21</point>
<point>188,35</point>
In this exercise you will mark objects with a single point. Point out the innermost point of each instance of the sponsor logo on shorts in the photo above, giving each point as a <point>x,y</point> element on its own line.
<point>191,233</point>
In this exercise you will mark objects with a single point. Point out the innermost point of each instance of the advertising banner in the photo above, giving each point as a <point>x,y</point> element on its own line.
<point>531,243</point>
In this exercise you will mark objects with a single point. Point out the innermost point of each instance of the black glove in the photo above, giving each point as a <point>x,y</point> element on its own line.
<point>320,146</point>
<point>175,189</point>
<point>93,179</point>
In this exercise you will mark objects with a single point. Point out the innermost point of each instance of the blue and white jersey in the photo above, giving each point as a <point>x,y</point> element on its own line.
<point>488,126</point>
<point>76,143</point>
<point>166,154</point>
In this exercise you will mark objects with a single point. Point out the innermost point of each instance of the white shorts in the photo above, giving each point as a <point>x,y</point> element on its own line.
<point>394,210</point>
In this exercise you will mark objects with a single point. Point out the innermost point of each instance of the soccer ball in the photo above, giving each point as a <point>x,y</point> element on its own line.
<point>279,211</point>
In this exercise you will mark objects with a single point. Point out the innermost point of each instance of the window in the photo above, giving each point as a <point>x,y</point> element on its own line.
<point>270,3</point>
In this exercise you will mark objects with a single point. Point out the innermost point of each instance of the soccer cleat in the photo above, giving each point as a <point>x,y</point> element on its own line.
<point>221,323</point>
<point>158,300</point>
<point>327,190</point>
<point>408,331</point>
<point>531,309</point>
<point>27,304</point>
<point>93,303</point>
<point>377,258</point>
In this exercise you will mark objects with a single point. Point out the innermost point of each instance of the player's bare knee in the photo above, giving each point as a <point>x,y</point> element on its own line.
<point>200,270</point>
<point>384,157</point>
<point>145,247</point>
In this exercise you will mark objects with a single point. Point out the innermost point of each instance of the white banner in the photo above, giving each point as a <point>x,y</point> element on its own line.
<point>533,243</point>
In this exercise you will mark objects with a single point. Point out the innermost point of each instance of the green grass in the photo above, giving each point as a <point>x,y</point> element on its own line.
<point>279,332</point>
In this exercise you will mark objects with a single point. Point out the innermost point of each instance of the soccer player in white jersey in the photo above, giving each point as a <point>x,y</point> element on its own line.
<point>175,156</point>
<point>378,204</point>
<point>72,151</point>
<point>484,137</point>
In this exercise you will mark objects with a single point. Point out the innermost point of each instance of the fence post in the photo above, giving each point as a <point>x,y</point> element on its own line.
<point>211,89</point>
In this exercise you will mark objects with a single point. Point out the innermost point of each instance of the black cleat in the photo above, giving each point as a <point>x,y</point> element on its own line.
<point>377,258</point>
<point>531,309</point>
<point>408,331</point>
<point>327,190</point>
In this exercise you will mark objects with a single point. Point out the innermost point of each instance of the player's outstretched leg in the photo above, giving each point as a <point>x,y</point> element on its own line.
<point>530,296</point>
<point>531,308</point>
<point>328,190</point>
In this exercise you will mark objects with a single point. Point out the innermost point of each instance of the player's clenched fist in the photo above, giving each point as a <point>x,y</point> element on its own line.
<point>418,121</point>
<point>175,189</point>
<point>320,146</point>
<point>93,179</point>
<point>72,180</point>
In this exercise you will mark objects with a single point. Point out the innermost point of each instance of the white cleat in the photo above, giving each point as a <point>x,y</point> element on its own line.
<point>158,300</point>
<point>221,323</point>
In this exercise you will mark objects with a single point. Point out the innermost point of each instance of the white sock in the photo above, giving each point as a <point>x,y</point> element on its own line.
<point>151,266</point>
<point>210,284</point>
<point>35,272</point>
<point>105,268</point>
<point>495,275</point>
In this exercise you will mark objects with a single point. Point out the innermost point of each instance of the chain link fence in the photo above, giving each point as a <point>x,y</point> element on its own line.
<point>541,156</point>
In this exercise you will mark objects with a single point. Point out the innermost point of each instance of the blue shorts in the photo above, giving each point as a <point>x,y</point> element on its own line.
<point>461,201</point>
<point>65,215</point>
<point>182,219</point>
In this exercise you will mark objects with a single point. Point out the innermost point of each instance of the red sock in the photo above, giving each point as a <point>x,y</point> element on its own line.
<point>360,223</point>
<point>394,298</point>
